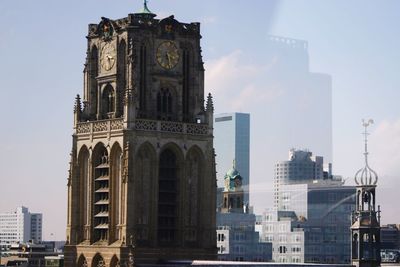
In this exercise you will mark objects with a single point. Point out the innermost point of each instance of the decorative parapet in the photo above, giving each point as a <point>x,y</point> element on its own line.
<point>146,125</point>
<point>142,125</point>
<point>172,127</point>
<point>99,126</point>
<point>200,129</point>
<point>83,128</point>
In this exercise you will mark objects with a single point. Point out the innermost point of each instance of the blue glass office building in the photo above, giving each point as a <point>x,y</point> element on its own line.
<point>232,143</point>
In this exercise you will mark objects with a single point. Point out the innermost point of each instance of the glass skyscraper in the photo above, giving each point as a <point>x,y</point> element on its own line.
<point>232,146</point>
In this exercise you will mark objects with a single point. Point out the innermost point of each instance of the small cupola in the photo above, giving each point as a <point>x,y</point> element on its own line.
<point>145,11</point>
<point>233,179</point>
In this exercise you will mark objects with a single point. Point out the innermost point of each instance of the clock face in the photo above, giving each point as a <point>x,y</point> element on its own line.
<point>167,55</point>
<point>108,55</point>
<point>238,182</point>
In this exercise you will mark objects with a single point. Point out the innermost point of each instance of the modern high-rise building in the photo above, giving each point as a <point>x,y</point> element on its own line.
<point>297,112</point>
<point>36,227</point>
<point>142,185</point>
<point>300,168</point>
<point>311,218</point>
<point>232,143</point>
<point>301,110</point>
<point>20,226</point>
<point>390,236</point>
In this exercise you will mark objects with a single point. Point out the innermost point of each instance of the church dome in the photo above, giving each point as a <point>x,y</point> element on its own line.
<point>232,173</point>
<point>233,179</point>
<point>366,176</point>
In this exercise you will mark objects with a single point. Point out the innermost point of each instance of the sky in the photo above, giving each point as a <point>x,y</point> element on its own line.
<point>43,48</point>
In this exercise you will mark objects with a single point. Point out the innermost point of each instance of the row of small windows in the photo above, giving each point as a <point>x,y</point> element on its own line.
<point>289,259</point>
<point>284,249</point>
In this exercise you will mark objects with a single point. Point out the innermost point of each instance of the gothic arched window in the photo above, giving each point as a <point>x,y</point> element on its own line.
<point>167,197</point>
<point>164,104</point>
<point>108,102</point>
<point>93,73</point>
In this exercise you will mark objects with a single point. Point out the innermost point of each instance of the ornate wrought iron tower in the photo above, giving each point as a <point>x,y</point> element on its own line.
<point>366,219</point>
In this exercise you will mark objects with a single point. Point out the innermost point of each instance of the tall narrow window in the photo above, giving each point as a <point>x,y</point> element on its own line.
<point>159,102</point>
<point>164,104</point>
<point>186,84</point>
<point>144,193</point>
<point>101,196</point>
<point>167,198</point>
<point>121,86</point>
<point>85,187</point>
<point>143,81</point>
<point>108,102</point>
<point>93,73</point>
<point>116,191</point>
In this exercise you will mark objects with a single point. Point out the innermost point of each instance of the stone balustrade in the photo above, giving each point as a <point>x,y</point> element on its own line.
<point>111,125</point>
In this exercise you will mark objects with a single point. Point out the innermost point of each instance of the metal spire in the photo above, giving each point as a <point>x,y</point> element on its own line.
<point>145,9</point>
<point>366,175</point>
<point>365,133</point>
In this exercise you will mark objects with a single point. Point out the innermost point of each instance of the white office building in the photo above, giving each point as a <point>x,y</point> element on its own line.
<point>20,226</point>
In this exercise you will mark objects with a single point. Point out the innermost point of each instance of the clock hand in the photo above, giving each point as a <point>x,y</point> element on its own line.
<point>169,58</point>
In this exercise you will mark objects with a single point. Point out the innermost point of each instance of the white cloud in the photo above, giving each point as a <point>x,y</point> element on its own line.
<point>385,148</point>
<point>208,20</point>
<point>252,95</point>
<point>238,85</point>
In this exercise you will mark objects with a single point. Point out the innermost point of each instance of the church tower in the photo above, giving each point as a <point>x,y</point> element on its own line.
<point>233,192</point>
<point>366,219</point>
<point>142,183</point>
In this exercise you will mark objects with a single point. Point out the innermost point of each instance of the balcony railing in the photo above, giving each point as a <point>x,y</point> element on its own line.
<point>142,125</point>
<point>99,126</point>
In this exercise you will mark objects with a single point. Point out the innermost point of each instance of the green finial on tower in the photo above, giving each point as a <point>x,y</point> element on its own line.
<point>145,9</point>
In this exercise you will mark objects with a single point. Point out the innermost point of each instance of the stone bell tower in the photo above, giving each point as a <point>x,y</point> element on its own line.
<point>233,192</point>
<point>366,219</point>
<point>142,184</point>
